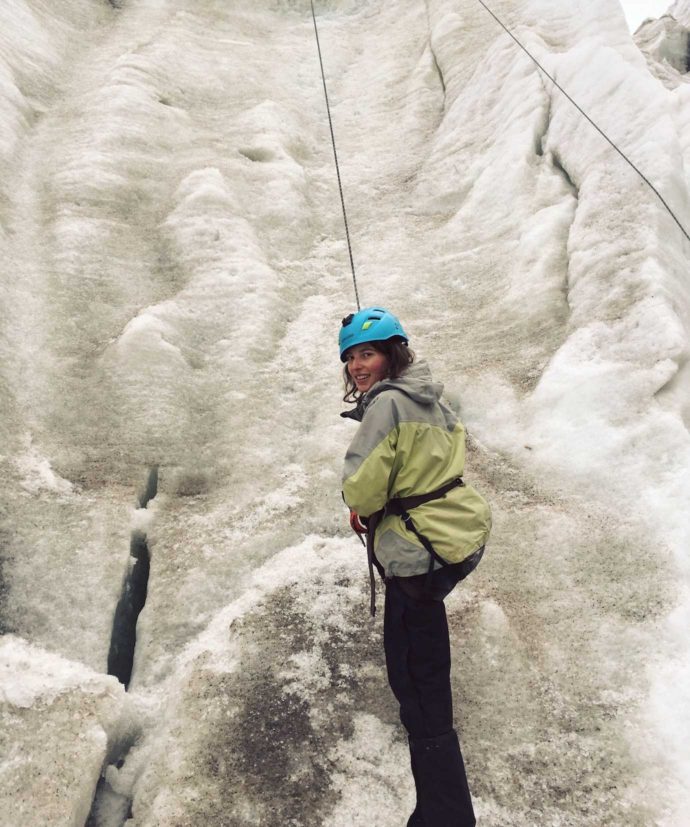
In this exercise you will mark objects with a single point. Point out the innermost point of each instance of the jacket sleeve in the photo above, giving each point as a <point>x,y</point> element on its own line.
<point>370,457</point>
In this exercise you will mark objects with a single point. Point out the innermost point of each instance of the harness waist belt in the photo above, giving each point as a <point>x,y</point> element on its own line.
<point>399,505</point>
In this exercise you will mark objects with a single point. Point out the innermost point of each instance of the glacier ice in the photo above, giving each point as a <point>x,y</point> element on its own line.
<point>173,273</point>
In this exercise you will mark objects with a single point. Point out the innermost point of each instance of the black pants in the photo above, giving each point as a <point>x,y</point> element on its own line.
<point>415,637</point>
<point>417,646</point>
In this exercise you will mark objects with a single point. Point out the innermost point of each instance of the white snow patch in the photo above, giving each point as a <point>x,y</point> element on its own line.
<point>286,568</point>
<point>37,474</point>
<point>307,674</point>
<point>372,776</point>
<point>29,674</point>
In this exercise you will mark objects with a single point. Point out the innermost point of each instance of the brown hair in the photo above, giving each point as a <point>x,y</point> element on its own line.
<point>399,358</point>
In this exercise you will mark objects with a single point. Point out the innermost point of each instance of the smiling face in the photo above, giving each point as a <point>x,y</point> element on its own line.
<point>366,366</point>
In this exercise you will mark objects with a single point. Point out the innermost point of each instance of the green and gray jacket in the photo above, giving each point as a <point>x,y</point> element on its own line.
<point>410,443</point>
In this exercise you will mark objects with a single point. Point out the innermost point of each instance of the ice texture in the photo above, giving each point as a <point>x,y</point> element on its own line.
<point>173,275</point>
<point>59,721</point>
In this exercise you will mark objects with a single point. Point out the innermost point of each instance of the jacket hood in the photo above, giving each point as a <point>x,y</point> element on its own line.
<point>416,382</point>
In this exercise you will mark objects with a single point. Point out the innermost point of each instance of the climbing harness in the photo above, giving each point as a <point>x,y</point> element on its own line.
<point>335,156</point>
<point>582,112</point>
<point>400,507</point>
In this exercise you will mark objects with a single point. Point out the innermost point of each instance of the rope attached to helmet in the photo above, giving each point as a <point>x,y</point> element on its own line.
<point>335,155</point>
<point>582,112</point>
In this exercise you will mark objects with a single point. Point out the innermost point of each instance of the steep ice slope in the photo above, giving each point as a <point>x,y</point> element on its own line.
<point>52,524</point>
<point>586,302</point>
<point>174,218</point>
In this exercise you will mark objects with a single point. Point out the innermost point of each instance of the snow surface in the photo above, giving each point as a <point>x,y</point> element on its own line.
<point>173,276</point>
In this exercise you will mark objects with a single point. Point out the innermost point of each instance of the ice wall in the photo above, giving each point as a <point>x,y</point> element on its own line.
<point>60,723</point>
<point>173,274</point>
<point>665,42</point>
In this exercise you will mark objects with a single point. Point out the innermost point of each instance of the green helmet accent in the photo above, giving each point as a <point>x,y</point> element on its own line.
<point>373,324</point>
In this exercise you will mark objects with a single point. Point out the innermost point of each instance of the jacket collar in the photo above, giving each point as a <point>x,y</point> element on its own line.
<point>416,381</point>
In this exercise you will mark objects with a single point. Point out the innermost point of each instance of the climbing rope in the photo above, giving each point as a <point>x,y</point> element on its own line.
<point>582,112</point>
<point>335,155</point>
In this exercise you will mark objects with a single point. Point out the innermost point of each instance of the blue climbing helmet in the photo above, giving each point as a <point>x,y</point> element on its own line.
<point>373,324</point>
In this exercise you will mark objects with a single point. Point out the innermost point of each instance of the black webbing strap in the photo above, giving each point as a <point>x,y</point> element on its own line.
<point>399,505</point>
<point>372,524</point>
<point>410,526</point>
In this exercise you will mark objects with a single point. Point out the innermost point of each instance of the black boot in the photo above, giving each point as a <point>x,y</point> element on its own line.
<point>443,796</point>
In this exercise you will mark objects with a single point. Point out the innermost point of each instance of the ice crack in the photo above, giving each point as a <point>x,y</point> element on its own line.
<point>110,806</point>
<point>437,66</point>
<point>133,598</point>
<point>558,166</point>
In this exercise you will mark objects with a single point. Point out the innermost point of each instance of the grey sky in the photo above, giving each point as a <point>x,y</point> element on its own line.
<point>637,10</point>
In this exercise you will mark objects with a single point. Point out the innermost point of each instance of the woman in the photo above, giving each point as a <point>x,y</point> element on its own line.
<point>426,532</point>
